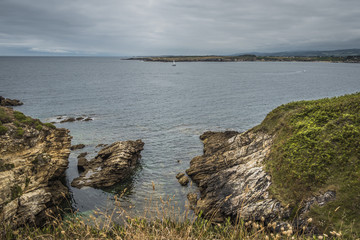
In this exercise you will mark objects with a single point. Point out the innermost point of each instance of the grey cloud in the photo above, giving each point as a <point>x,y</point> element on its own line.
<point>155,27</point>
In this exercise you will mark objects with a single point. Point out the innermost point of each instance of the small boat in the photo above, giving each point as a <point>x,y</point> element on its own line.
<point>174,64</point>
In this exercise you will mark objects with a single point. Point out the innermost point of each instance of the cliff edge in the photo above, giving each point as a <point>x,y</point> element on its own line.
<point>298,169</point>
<point>33,159</point>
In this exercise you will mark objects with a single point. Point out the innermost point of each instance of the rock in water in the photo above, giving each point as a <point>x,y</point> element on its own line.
<point>9,102</point>
<point>112,164</point>
<point>231,177</point>
<point>78,146</point>
<point>33,160</point>
<point>184,180</point>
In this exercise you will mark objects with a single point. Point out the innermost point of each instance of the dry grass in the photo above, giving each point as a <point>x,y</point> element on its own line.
<point>161,219</point>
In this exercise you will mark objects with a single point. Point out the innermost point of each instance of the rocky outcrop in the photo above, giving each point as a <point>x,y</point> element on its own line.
<point>112,164</point>
<point>33,160</point>
<point>65,119</point>
<point>233,183</point>
<point>9,102</point>
<point>231,176</point>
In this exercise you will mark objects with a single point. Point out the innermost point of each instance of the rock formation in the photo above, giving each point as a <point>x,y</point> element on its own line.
<point>33,159</point>
<point>9,102</point>
<point>231,177</point>
<point>112,164</point>
<point>233,183</point>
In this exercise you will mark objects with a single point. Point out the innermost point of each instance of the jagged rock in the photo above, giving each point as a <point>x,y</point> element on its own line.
<point>9,102</point>
<point>112,164</point>
<point>78,146</point>
<point>31,168</point>
<point>180,175</point>
<point>82,164</point>
<point>231,177</point>
<point>184,180</point>
<point>233,183</point>
<point>81,155</point>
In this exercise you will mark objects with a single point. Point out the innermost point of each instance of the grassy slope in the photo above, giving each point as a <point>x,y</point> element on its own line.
<point>317,148</point>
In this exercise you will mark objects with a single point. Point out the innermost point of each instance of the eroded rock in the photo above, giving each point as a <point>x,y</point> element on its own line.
<point>112,164</point>
<point>233,182</point>
<point>231,177</point>
<point>34,163</point>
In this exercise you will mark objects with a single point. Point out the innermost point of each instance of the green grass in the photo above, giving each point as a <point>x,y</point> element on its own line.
<point>317,148</point>
<point>20,121</point>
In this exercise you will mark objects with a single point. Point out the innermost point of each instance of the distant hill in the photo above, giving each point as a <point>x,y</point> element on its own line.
<point>334,53</point>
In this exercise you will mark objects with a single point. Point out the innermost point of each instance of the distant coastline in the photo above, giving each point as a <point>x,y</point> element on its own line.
<point>250,58</point>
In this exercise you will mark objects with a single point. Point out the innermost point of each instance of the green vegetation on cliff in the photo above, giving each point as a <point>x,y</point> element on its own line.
<point>316,149</point>
<point>20,121</point>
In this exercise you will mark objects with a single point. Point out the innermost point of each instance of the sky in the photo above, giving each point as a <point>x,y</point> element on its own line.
<point>175,27</point>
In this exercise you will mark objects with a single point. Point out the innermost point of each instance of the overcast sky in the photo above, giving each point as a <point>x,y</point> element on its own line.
<point>178,27</point>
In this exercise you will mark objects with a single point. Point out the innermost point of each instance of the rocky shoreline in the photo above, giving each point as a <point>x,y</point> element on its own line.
<point>33,159</point>
<point>237,174</point>
<point>250,58</point>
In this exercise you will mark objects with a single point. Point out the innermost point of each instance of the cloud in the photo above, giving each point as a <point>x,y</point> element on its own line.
<point>155,27</point>
<point>48,50</point>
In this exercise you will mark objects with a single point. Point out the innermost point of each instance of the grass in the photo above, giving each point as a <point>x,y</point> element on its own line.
<point>161,220</point>
<point>21,121</point>
<point>316,149</point>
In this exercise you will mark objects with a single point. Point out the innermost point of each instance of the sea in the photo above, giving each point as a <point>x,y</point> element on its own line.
<point>166,106</point>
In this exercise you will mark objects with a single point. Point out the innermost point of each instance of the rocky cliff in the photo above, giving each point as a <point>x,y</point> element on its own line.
<point>112,164</point>
<point>231,176</point>
<point>33,159</point>
<point>302,162</point>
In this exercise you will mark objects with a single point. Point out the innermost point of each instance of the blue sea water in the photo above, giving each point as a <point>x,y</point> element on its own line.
<point>167,107</point>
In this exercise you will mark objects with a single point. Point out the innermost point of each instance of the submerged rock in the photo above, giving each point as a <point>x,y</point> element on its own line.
<point>112,164</point>
<point>33,160</point>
